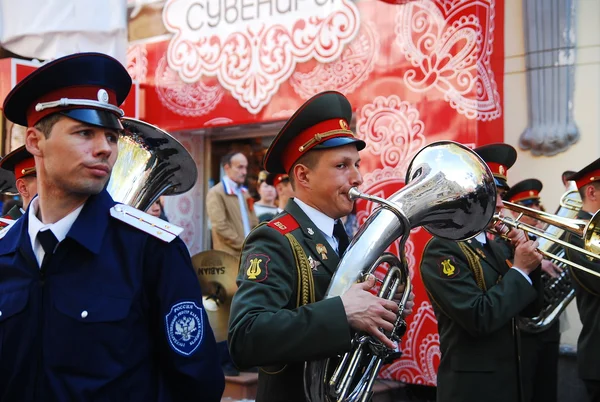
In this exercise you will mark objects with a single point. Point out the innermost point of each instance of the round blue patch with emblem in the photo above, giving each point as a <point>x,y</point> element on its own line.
<point>185,327</point>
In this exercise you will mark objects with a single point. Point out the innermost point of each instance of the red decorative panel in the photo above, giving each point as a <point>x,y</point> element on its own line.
<point>415,72</point>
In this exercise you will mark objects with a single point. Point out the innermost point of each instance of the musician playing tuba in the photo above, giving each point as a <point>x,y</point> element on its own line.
<point>476,294</point>
<point>278,318</point>
<point>587,287</point>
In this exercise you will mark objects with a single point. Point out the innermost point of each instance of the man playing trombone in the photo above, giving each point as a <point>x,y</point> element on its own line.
<point>476,295</point>
<point>539,357</point>
<point>587,286</point>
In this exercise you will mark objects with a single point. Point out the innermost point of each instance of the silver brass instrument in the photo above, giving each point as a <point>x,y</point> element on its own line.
<point>451,193</point>
<point>589,231</point>
<point>151,163</point>
<point>559,291</point>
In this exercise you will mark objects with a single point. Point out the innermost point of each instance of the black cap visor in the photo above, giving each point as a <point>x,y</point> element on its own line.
<point>95,117</point>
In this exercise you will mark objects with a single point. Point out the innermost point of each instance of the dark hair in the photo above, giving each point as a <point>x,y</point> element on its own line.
<point>309,159</point>
<point>45,125</point>
<point>596,185</point>
<point>566,174</point>
<point>226,159</point>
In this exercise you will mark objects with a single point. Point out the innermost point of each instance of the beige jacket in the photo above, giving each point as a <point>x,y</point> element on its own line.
<point>226,219</point>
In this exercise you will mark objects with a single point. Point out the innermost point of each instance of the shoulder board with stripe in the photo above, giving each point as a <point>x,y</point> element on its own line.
<point>152,225</point>
<point>284,224</point>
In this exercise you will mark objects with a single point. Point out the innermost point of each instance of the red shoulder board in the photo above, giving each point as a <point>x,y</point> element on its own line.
<point>284,224</point>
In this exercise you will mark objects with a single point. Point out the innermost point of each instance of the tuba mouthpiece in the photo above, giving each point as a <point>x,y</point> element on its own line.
<point>354,194</point>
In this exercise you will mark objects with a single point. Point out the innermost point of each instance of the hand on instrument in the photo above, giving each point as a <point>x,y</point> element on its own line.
<point>410,303</point>
<point>551,268</point>
<point>367,312</point>
<point>527,257</point>
<point>517,237</point>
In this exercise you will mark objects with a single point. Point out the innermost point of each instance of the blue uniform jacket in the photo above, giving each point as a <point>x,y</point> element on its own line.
<point>117,315</point>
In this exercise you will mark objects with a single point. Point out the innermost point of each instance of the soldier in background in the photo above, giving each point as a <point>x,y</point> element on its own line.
<point>476,295</point>
<point>587,286</point>
<point>21,163</point>
<point>284,188</point>
<point>539,357</point>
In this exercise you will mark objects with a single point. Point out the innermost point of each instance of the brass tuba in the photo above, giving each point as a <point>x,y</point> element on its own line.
<point>451,193</point>
<point>558,292</point>
<point>151,163</point>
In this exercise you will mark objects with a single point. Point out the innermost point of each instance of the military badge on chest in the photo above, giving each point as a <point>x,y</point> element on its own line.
<point>322,250</point>
<point>185,327</point>
<point>314,264</point>
<point>448,267</point>
<point>255,268</point>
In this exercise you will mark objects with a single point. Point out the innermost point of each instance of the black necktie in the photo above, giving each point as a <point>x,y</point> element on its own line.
<point>49,243</point>
<point>342,237</point>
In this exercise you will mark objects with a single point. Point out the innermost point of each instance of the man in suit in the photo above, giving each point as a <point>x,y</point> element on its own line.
<point>98,303</point>
<point>539,357</point>
<point>587,286</point>
<point>476,295</point>
<point>278,316</point>
<point>229,206</point>
<point>21,163</point>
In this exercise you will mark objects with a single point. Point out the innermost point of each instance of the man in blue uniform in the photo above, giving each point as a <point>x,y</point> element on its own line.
<point>95,305</point>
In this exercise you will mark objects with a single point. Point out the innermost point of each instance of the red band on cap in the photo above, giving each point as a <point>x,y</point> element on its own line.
<point>312,137</point>
<point>25,168</point>
<point>279,178</point>
<point>525,195</point>
<point>592,176</point>
<point>89,92</point>
<point>497,169</point>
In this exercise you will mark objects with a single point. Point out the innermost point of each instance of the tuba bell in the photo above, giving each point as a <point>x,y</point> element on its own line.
<point>449,191</point>
<point>151,163</point>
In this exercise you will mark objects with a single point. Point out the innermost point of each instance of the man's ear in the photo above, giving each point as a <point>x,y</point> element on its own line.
<point>302,175</point>
<point>33,136</point>
<point>22,188</point>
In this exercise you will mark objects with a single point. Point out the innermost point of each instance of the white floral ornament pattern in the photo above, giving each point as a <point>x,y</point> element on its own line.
<point>418,362</point>
<point>184,99</point>
<point>253,62</point>
<point>450,50</point>
<point>137,62</point>
<point>392,130</point>
<point>344,74</point>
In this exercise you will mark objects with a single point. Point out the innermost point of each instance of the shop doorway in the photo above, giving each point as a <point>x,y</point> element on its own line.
<point>253,148</point>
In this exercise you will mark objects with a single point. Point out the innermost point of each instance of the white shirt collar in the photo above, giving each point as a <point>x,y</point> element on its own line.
<point>60,228</point>
<point>231,184</point>
<point>323,222</point>
<point>481,238</point>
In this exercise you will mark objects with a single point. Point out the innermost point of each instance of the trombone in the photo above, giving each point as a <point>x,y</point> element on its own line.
<point>587,230</point>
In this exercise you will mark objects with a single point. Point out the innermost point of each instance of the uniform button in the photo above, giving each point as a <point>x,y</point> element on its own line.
<point>84,314</point>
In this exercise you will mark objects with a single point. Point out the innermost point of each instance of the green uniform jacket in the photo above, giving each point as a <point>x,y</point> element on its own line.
<point>587,294</point>
<point>475,313</point>
<point>266,328</point>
